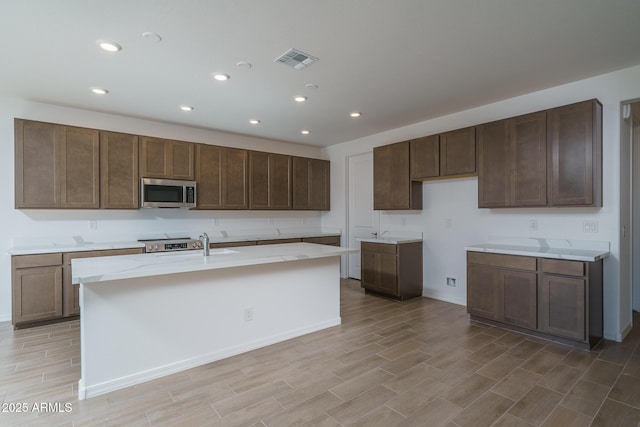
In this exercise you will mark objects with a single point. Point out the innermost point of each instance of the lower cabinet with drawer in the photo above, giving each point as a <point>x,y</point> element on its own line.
<point>36,287</point>
<point>556,299</point>
<point>393,270</point>
<point>41,286</point>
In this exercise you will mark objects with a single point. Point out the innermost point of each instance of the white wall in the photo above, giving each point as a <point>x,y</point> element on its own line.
<point>115,223</point>
<point>457,198</point>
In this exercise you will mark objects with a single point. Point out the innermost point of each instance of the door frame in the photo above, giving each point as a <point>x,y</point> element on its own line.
<point>349,159</point>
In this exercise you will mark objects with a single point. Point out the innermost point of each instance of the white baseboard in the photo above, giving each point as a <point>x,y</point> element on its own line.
<point>140,377</point>
<point>429,293</point>
<point>5,318</point>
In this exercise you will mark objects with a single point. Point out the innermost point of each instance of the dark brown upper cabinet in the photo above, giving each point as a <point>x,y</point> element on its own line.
<point>393,188</point>
<point>270,178</point>
<point>574,135</point>
<point>119,178</point>
<point>56,166</point>
<point>458,152</point>
<point>221,175</point>
<point>311,184</point>
<point>548,158</point>
<point>512,162</point>
<point>165,158</point>
<point>447,155</point>
<point>425,157</point>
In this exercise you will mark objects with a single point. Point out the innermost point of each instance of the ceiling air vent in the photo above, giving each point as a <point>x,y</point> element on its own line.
<point>296,59</point>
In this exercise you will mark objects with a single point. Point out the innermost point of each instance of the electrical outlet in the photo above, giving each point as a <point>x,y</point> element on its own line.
<point>248,314</point>
<point>589,226</point>
<point>451,281</point>
<point>93,224</point>
<point>533,225</point>
<point>447,222</point>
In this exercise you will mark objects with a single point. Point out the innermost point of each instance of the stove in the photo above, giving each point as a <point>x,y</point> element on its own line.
<point>171,244</point>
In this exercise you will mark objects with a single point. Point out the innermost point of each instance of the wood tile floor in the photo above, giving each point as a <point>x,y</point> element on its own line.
<point>413,363</point>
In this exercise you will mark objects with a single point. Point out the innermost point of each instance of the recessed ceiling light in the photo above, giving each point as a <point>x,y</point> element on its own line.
<point>151,36</point>
<point>99,91</point>
<point>244,64</point>
<point>221,77</point>
<point>355,114</point>
<point>254,121</point>
<point>186,108</point>
<point>109,46</point>
<point>299,98</point>
<point>311,86</point>
<point>305,132</point>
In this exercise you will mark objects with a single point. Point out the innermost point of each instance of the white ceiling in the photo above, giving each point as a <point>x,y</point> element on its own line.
<point>397,61</point>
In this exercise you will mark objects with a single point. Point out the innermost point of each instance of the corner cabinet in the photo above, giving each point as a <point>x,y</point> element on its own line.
<point>554,299</point>
<point>56,166</point>
<point>547,158</point>
<point>36,287</point>
<point>574,137</point>
<point>41,286</point>
<point>393,270</point>
<point>393,188</point>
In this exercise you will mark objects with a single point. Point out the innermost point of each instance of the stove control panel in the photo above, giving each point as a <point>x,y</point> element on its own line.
<point>172,245</point>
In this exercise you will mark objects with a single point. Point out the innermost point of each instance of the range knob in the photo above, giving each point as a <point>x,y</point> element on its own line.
<point>156,247</point>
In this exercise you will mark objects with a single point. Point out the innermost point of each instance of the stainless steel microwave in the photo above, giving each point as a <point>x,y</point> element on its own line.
<point>167,193</point>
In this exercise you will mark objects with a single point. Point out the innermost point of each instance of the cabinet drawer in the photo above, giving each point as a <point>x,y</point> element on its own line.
<point>67,257</point>
<point>567,268</point>
<point>232,244</point>
<point>328,240</point>
<point>40,260</point>
<point>384,248</point>
<point>278,241</point>
<point>506,261</point>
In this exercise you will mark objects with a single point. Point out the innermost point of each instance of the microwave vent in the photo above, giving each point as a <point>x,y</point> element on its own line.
<point>296,59</point>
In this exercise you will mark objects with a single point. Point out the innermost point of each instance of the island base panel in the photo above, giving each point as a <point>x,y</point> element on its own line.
<point>135,330</point>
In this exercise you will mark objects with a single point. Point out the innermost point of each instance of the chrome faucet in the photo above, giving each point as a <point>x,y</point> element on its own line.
<point>205,244</point>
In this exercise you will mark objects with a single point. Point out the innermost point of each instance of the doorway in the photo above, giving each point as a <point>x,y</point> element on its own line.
<point>362,220</point>
<point>634,117</point>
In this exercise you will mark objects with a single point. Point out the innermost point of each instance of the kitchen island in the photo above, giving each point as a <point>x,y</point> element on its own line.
<point>151,315</point>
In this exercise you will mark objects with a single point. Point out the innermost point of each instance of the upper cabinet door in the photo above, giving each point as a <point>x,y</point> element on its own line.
<point>37,164</point>
<point>575,154</point>
<point>311,184</point>
<point>221,174</point>
<point>119,178</point>
<point>494,165</point>
<point>269,181</point>
<point>80,167</point>
<point>209,176</point>
<point>56,166</point>
<point>425,157</point>
<point>458,152</point>
<point>392,185</point>
<point>165,158</point>
<point>235,186</point>
<point>528,159</point>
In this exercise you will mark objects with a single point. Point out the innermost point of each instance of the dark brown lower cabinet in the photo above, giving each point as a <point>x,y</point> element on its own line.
<point>555,299</point>
<point>502,288</point>
<point>393,270</point>
<point>36,287</point>
<point>41,286</point>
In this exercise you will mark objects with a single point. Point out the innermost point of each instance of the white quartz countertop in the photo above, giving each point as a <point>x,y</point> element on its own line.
<point>568,250</point>
<point>79,244</point>
<point>100,269</point>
